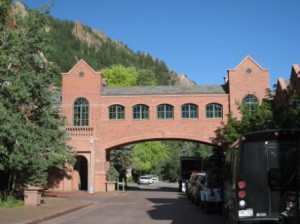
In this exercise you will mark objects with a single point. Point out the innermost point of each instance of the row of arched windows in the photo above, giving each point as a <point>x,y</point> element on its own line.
<point>164,111</point>
<point>141,112</point>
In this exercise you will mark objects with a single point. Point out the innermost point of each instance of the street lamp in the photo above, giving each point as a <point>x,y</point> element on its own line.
<point>91,188</point>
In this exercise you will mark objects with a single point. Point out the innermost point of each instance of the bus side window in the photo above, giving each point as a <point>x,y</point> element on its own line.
<point>230,167</point>
<point>227,169</point>
<point>227,166</point>
<point>234,167</point>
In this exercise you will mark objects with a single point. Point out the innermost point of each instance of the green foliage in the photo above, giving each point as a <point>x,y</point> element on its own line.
<point>129,180</point>
<point>288,116</point>
<point>229,132</point>
<point>162,158</point>
<point>112,174</point>
<point>31,138</point>
<point>121,159</point>
<point>66,49</point>
<point>119,75</point>
<point>258,119</point>
<point>169,167</point>
<point>146,156</point>
<point>146,77</point>
<point>4,13</point>
<point>194,149</point>
<point>10,202</point>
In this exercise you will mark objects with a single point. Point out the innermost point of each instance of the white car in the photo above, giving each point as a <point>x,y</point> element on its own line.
<point>155,179</point>
<point>145,180</point>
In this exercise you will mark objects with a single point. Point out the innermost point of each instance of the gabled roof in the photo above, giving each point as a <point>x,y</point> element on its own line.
<point>282,84</point>
<point>81,61</point>
<point>245,59</point>
<point>163,90</point>
<point>296,68</point>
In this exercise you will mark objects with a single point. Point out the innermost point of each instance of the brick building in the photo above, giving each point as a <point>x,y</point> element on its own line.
<point>283,87</point>
<point>101,118</point>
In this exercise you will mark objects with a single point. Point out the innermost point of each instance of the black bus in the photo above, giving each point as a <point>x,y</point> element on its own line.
<point>262,178</point>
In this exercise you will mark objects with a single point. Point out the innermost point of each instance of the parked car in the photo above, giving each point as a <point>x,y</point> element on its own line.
<point>188,183</point>
<point>145,180</point>
<point>155,179</point>
<point>195,186</point>
<point>211,192</point>
<point>151,178</point>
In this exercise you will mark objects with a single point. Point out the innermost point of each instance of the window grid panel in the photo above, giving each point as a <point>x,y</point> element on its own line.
<point>81,112</point>
<point>141,112</point>
<point>214,111</point>
<point>189,111</point>
<point>165,111</point>
<point>116,112</point>
<point>218,111</point>
<point>250,102</point>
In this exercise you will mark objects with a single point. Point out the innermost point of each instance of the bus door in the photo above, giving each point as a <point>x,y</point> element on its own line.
<point>282,171</point>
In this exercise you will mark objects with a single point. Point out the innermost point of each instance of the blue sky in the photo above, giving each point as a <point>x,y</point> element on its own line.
<point>199,38</point>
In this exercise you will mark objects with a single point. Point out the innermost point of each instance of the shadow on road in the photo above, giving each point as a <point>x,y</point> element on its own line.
<point>146,188</point>
<point>181,210</point>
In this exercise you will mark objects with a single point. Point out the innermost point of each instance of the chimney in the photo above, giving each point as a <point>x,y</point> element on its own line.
<point>225,79</point>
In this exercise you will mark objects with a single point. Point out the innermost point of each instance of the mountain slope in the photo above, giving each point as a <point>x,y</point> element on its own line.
<point>71,41</point>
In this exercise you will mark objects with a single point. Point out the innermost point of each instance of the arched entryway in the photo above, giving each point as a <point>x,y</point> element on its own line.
<point>80,174</point>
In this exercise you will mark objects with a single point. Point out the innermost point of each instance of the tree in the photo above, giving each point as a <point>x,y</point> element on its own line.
<point>121,159</point>
<point>260,118</point>
<point>288,116</point>
<point>146,156</point>
<point>170,165</point>
<point>228,132</point>
<point>31,138</point>
<point>112,173</point>
<point>119,75</point>
<point>146,78</point>
<point>4,13</point>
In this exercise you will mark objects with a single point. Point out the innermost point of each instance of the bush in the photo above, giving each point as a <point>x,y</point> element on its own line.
<point>112,174</point>
<point>130,179</point>
<point>10,202</point>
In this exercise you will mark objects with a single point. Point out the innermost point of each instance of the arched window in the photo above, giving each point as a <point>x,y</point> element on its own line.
<point>165,111</point>
<point>81,112</point>
<point>214,110</point>
<point>250,102</point>
<point>189,111</point>
<point>140,112</point>
<point>116,112</point>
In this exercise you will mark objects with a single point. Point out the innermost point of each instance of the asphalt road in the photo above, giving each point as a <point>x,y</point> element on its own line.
<point>141,204</point>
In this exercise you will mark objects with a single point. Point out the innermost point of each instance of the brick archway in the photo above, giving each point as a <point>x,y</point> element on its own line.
<point>158,136</point>
<point>120,115</point>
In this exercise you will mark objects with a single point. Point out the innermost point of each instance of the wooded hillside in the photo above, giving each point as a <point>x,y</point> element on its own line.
<point>71,41</point>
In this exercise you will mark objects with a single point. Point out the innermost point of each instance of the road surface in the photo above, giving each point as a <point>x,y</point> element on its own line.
<point>140,204</point>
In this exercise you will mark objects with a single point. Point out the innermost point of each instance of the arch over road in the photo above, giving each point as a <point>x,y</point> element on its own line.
<point>101,118</point>
<point>123,142</point>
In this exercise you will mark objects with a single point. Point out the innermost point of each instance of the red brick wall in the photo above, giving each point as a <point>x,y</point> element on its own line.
<point>108,134</point>
<point>242,83</point>
<point>295,79</point>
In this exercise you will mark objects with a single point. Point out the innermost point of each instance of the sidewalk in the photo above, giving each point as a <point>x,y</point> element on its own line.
<point>51,207</point>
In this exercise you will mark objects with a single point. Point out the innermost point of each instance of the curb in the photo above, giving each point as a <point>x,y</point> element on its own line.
<point>39,220</point>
